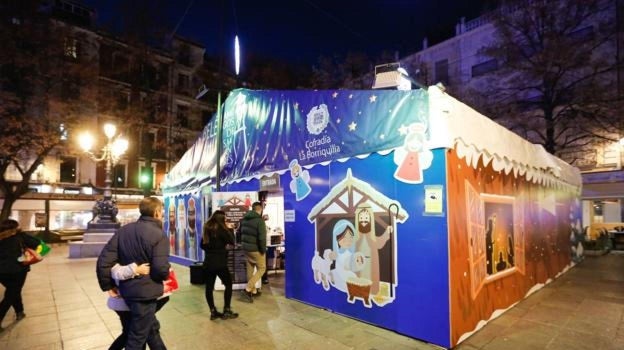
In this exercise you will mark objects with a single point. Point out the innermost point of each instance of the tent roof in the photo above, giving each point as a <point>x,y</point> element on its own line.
<point>266,131</point>
<point>455,125</point>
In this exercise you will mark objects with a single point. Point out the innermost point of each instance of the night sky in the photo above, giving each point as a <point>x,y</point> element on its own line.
<point>298,31</point>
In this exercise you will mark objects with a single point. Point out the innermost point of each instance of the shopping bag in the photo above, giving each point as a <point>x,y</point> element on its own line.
<point>170,284</point>
<point>43,248</point>
<point>29,256</point>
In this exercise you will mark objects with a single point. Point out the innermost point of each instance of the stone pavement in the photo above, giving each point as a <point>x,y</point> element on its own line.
<point>582,309</point>
<point>65,309</point>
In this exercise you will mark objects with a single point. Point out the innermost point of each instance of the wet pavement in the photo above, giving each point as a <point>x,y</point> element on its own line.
<point>582,309</point>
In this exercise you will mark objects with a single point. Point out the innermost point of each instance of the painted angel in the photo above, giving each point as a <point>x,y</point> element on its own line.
<point>300,179</point>
<point>413,157</point>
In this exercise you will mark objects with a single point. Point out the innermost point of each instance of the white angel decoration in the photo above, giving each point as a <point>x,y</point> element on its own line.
<point>413,157</point>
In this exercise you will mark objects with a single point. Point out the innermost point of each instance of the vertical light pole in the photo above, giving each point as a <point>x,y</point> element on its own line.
<point>105,210</point>
<point>236,55</point>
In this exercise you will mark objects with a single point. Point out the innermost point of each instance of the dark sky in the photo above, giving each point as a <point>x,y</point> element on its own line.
<point>299,31</point>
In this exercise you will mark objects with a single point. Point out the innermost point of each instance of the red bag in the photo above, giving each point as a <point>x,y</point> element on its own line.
<point>170,284</point>
<point>30,256</point>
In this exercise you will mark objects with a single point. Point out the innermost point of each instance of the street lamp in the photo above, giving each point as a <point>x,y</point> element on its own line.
<point>105,210</point>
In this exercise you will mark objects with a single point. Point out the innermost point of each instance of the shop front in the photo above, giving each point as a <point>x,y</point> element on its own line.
<point>65,214</point>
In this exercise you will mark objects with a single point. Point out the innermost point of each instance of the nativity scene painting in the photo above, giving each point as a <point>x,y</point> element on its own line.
<point>496,236</point>
<point>356,240</point>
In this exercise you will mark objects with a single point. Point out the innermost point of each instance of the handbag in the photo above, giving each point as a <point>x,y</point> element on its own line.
<point>170,285</point>
<point>29,256</point>
<point>43,248</point>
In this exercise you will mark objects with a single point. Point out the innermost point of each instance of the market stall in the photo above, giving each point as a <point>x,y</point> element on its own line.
<point>405,209</point>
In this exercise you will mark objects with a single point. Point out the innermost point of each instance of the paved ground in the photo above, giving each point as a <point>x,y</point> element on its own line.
<point>583,309</point>
<point>65,309</point>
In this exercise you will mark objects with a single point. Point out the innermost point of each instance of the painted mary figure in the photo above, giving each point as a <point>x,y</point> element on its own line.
<point>343,248</point>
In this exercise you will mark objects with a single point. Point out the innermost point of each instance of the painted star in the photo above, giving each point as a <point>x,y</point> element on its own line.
<point>335,94</point>
<point>352,126</point>
<point>382,136</point>
<point>350,95</point>
<point>403,130</point>
<point>338,120</point>
<point>296,105</point>
<point>372,99</point>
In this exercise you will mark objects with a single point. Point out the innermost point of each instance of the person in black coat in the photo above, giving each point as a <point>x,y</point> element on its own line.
<point>12,272</point>
<point>216,240</point>
<point>140,242</point>
<point>253,238</point>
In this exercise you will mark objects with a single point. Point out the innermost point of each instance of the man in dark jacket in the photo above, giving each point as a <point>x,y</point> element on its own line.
<point>253,237</point>
<point>139,242</point>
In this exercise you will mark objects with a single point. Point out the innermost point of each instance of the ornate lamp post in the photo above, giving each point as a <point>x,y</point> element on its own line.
<point>105,210</point>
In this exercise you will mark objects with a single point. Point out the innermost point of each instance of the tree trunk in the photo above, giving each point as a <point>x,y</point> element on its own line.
<point>550,142</point>
<point>7,205</point>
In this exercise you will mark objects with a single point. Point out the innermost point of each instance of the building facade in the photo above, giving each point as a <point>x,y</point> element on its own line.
<point>148,92</point>
<point>461,65</point>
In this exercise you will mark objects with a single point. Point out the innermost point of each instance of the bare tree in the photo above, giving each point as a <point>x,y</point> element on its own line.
<point>556,68</point>
<point>339,72</point>
<point>45,77</point>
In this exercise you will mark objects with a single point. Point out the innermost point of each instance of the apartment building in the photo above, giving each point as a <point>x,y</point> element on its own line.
<point>461,65</point>
<point>148,92</point>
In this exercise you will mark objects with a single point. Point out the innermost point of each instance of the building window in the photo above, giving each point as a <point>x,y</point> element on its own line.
<point>123,100</point>
<point>184,55</point>
<point>162,75</point>
<point>63,132</point>
<point>149,139</point>
<point>484,68</point>
<point>179,146</point>
<point>183,82</point>
<point>68,169</point>
<point>442,71</point>
<point>71,48</point>
<point>119,175</point>
<point>183,116</point>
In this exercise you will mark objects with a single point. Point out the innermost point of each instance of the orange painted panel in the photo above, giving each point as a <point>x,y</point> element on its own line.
<point>506,235</point>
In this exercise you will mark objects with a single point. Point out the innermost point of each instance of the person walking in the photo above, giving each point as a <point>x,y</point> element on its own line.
<point>253,233</point>
<point>139,242</point>
<point>117,304</point>
<point>12,272</point>
<point>216,240</point>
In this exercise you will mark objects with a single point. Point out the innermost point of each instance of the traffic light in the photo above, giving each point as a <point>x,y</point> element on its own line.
<point>146,178</point>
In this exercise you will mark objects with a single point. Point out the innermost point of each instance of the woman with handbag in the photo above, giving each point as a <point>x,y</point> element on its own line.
<point>13,243</point>
<point>216,239</point>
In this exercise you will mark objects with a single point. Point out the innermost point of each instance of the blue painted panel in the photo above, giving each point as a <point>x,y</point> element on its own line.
<point>413,290</point>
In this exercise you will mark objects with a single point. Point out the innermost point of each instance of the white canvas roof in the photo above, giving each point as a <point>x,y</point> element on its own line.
<point>455,125</point>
